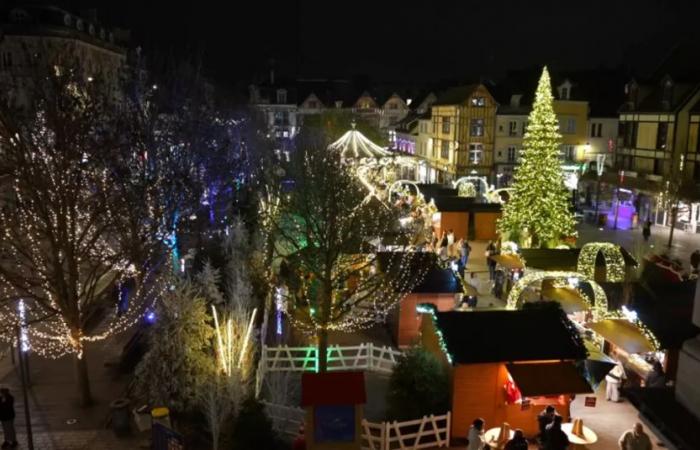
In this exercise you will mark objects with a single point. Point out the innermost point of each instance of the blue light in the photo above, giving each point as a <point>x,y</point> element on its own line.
<point>150,317</point>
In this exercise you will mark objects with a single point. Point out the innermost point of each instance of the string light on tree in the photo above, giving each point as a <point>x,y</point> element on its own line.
<point>537,212</point>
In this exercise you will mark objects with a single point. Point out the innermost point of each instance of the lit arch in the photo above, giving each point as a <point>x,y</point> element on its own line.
<point>600,300</point>
<point>399,183</point>
<point>470,179</point>
<point>614,260</point>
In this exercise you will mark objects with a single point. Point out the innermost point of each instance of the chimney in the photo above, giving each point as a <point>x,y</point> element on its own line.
<point>515,100</point>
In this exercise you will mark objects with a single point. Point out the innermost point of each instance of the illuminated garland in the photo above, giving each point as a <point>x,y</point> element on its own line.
<point>467,190</point>
<point>614,260</point>
<point>600,303</point>
<point>428,308</point>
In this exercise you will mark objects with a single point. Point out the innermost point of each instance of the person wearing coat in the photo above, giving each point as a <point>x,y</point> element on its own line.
<point>635,439</point>
<point>518,442</point>
<point>476,438</point>
<point>613,380</point>
<point>7,417</point>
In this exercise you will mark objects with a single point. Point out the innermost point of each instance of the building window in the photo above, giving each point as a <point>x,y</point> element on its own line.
<point>512,128</point>
<point>313,104</point>
<point>445,125</point>
<point>478,101</point>
<point>662,135</point>
<point>477,127</point>
<point>476,153</point>
<point>569,126</point>
<point>281,118</point>
<point>511,153</point>
<point>596,129</point>
<point>568,152</point>
<point>658,166</point>
<point>629,134</point>
<point>564,92</point>
<point>281,96</point>
<point>524,127</point>
<point>393,106</point>
<point>445,150</point>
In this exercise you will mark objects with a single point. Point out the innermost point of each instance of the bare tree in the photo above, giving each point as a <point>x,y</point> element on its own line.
<point>328,232</point>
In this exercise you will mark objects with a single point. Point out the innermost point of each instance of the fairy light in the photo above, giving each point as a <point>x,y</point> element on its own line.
<point>612,254</point>
<point>431,310</point>
<point>600,300</point>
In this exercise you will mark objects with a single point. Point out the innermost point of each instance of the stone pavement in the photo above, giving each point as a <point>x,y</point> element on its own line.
<point>683,243</point>
<point>58,422</point>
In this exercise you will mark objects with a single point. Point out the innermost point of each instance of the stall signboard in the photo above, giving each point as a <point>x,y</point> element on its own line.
<point>590,402</point>
<point>525,405</point>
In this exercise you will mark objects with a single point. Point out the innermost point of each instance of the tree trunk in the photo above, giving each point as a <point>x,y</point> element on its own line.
<point>322,337</point>
<point>81,372</point>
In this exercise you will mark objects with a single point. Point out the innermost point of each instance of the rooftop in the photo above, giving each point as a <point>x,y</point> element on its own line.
<point>534,333</point>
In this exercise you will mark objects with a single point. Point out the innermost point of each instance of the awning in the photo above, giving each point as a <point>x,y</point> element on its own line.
<point>597,365</point>
<point>548,379</point>
<point>623,334</point>
<point>510,261</point>
<point>569,299</point>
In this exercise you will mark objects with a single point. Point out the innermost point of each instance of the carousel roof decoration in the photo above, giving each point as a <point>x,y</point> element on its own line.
<point>355,145</point>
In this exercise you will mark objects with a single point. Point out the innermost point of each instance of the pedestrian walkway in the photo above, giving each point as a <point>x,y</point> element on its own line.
<point>632,240</point>
<point>58,422</point>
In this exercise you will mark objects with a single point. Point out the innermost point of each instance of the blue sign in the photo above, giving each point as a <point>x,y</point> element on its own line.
<point>334,423</point>
<point>166,439</point>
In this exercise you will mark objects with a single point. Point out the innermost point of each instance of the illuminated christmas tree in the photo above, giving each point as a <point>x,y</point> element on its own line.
<point>537,213</point>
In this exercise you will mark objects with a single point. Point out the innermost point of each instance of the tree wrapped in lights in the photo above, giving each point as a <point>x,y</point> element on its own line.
<point>328,236</point>
<point>538,207</point>
<point>73,246</point>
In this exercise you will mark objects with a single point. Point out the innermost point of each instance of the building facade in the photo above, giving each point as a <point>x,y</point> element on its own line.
<point>576,146</point>
<point>34,36</point>
<point>463,123</point>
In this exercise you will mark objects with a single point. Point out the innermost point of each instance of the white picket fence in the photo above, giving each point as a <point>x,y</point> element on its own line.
<point>301,359</point>
<point>286,420</point>
<point>428,432</point>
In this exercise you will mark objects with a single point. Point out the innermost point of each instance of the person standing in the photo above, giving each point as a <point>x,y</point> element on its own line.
<point>544,419</point>
<point>476,438</point>
<point>555,438</point>
<point>656,378</point>
<point>491,251</point>
<point>450,237</point>
<point>635,439</point>
<point>613,380</point>
<point>465,250</point>
<point>7,417</point>
<point>518,442</point>
<point>646,230</point>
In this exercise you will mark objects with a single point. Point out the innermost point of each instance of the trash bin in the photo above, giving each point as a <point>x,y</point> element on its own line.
<point>120,416</point>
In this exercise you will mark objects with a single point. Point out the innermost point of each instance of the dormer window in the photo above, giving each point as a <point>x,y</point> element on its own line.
<point>478,101</point>
<point>281,96</point>
<point>338,104</point>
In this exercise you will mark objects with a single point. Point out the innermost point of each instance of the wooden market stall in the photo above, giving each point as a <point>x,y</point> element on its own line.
<point>440,288</point>
<point>506,365</point>
<point>469,218</point>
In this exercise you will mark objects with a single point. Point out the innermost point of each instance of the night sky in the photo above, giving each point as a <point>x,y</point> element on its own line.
<point>397,40</point>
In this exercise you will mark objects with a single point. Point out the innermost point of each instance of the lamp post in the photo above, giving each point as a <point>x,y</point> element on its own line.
<point>599,168</point>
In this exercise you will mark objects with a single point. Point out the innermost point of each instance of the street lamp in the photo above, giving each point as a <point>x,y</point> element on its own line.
<point>599,168</point>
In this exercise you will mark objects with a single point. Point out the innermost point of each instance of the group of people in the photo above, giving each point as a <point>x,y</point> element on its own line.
<point>448,249</point>
<point>477,440</point>
<point>551,436</point>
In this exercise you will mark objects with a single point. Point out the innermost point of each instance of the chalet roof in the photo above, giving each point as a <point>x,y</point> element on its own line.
<point>464,204</point>
<point>563,259</point>
<point>456,95</point>
<point>535,333</point>
<point>322,388</point>
<point>438,281</point>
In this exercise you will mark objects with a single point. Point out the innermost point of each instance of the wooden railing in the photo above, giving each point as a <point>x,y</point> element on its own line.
<point>427,432</point>
<point>301,359</point>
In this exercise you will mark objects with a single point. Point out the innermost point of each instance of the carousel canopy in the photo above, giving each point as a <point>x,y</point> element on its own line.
<point>354,144</point>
